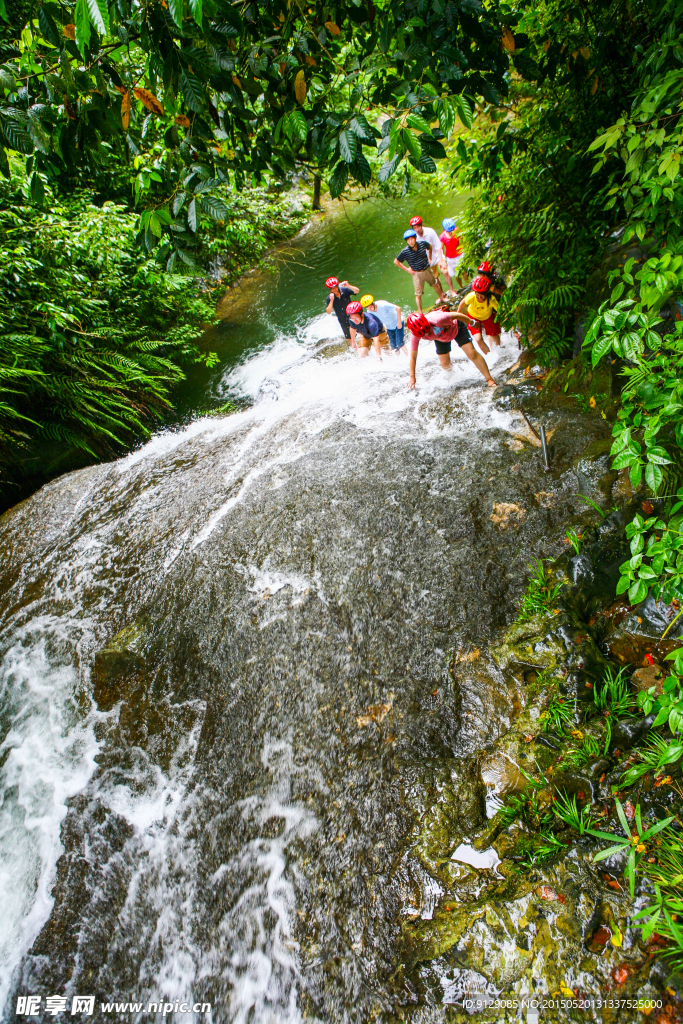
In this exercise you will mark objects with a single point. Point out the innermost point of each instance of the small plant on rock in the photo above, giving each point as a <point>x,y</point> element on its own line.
<point>589,751</point>
<point>540,593</point>
<point>655,755</point>
<point>557,716</point>
<point>566,809</point>
<point>635,843</point>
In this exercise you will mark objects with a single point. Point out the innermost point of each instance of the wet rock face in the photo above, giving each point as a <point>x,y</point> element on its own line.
<point>293,708</point>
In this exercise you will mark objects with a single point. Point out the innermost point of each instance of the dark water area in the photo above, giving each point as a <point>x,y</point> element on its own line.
<point>238,665</point>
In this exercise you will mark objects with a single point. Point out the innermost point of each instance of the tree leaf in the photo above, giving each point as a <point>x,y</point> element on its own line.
<point>446,117</point>
<point>653,477</point>
<point>82,29</point>
<point>176,8</point>
<point>193,90</point>
<point>192,216</point>
<point>333,29</point>
<point>99,16</point>
<point>300,86</point>
<point>387,169</point>
<point>37,189</point>
<point>149,100</point>
<point>125,110</point>
<point>347,146</point>
<point>600,348</point>
<point>658,455</point>
<point>360,169</point>
<point>214,207</point>
<point>412,144</point>
<point>637,592</point>
<point>419,123</point>
<point>337,182</point>
<point>426,164</point>
<point>464,110</point>
<point>296,125</point>
<point>49,28</point>
<point>196,11</point>
<point>508,40</point>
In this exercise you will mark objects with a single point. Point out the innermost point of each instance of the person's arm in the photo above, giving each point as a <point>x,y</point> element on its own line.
<point>412,364</point>
<point>351,287</point>
<point>463,306</point>
<point>429,246</point>
<point>399,317</point>
<point>352,329</point>
<point>465,317</point>
<point>401,266</point>
<point>330,307</point>
<point>378,348</point>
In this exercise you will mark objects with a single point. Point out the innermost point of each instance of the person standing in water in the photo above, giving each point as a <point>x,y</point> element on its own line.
<point>341,293</point>
<point>392,318</point>
<point>443,328</point>
<point>425,234</point>
<point>369,330</point>
<point>417,254</point>
<point>452,252</point>
<point>481,304</point>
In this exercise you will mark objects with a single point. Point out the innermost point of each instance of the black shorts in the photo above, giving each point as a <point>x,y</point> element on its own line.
<point>463,337</point>
<point>442,347</point>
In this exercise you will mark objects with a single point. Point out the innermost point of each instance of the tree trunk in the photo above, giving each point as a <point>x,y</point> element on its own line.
<point>316,192</point>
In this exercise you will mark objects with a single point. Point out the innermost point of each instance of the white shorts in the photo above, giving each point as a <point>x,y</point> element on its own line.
<point>452,263</point>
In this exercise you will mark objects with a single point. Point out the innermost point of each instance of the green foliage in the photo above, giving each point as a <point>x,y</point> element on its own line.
<point>541,593</point>
<point>612,696</point>
<point>657,753</point>
<point>662,913</point>
<point>557,716</point>
<point>635,844</point>
<point>94,337</point>
<point>566,809</point>
<point>574,540</point>
<point>588,751</point>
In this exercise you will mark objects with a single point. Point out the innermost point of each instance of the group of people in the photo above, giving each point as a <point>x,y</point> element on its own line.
<point>380,323</point>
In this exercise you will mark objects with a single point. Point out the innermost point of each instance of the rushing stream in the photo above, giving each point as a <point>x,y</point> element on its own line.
<point>227,668</point>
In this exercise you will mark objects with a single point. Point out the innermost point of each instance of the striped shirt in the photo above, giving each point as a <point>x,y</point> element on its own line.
<point>417,258</point>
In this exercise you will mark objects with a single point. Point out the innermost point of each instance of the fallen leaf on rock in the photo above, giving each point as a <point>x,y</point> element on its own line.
<point>617,937</point>
<point>629,810</point>
<point>666,781</point>
<point>375,713</point>
<point>647,507</point>
<point>546,892</point>
<point>568,993</point>
<point>600,937</point>
<point>472,655</point>
<point>620,974</point>
<point>507,513</point>
<point>546,499</point>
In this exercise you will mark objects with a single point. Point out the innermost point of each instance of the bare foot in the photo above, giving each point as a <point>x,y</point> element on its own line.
<point>491,383</point>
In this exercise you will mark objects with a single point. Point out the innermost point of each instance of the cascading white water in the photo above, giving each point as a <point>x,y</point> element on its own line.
<point>300,395</point>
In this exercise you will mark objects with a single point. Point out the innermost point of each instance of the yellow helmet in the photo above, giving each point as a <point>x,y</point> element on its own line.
<point>366,300</point>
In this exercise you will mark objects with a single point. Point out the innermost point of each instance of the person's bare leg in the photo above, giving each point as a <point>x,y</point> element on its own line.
<point>438,289</point>
<point>363,351</point>
<point>449,281</point>
<point>418,300</point>
<point>479,339</point>
<point>445,361</point>
<point>495,338</point>
<point>479,362</point>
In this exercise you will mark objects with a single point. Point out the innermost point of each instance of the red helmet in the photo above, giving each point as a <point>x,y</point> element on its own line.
<point>485,268</point>
<point>353,307</point>
<point>414,221</point>
<point>418,324</point>
<point>481,284</point>
<point>332,282</point>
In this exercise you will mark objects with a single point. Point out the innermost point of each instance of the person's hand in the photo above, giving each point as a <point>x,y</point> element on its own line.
<point>411,384</point>
<point>344,284</point>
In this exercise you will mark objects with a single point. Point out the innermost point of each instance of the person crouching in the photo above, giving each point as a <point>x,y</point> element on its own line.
<point>369,330</point>
<point>443,328</point>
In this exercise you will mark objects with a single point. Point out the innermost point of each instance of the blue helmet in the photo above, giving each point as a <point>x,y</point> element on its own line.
<point>448,224</point>
<point>410,233</point>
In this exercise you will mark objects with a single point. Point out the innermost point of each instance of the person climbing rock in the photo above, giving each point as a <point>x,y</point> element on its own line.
<point>392,318</point>
<point>369,329</point>
<point>426,234</point>
<point>498,285</point>
<point>443,328</point>
<point>341,293</point>
<point>417,254</point>
<point>481,305</point>
<point>453,254</point>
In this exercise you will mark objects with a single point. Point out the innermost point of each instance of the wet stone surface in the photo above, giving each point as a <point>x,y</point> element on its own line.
<point>289,692</point>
